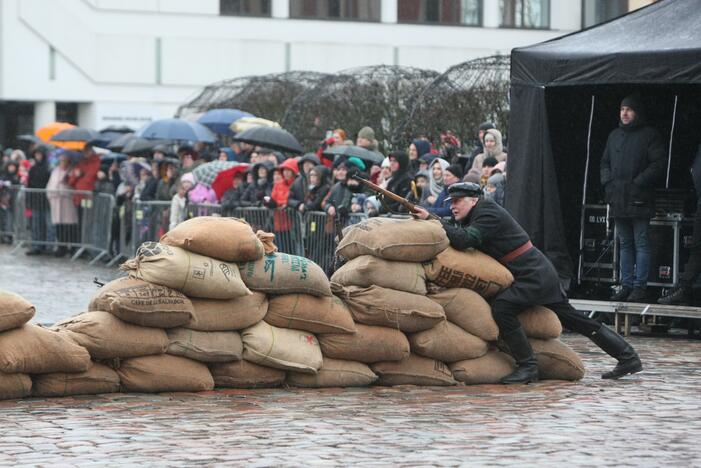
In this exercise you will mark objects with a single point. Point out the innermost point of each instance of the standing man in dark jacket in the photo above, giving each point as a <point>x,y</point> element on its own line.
<point>482,224</point>
<point>633,162</point>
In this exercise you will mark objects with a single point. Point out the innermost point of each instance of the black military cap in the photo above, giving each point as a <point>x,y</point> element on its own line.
<point>464,189</point>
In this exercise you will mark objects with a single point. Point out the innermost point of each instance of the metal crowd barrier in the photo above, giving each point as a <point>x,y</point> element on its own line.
<point>10,211</point>
<point>63,219</point>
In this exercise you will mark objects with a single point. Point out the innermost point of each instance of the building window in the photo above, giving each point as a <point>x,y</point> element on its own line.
<point>599,11</point>
<point>525,13</point>
<point>346,10</point>
<point>468,12</point>
<point>244,7</point>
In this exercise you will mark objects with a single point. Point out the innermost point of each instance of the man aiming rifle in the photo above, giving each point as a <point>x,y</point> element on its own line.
<point>484,225</point>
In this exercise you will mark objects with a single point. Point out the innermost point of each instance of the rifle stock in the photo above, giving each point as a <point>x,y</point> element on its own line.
<point>392,196</point>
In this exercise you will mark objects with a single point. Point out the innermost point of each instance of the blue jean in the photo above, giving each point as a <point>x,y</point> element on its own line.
<point>635,251</point>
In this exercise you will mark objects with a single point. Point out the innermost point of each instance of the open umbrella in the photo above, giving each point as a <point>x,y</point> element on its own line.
<point>206,173</point>
<point>118,143</point>
<point>270,137</point>
<point>117,129</point>
<point>219,120</point>
<point>48,131</point>
<point>244,123</point>
<point>137,145</point>
<point>76,134</point>
<point>176,129</point>
<point>109,158</point>
<point>357,151</point>
<point>28,137</point>
<point>224,180</point>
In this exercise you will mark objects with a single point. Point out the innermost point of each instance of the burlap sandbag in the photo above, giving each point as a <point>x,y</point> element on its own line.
<point>334,373</point>
<point>164,373</point>
<point>447,342</point>
<point>14,386</point>
<point>191,273</point>
<point>228,239</point>
<point>405,240</point>
<point>98,379</point>
<point>389,308</point>
<point>468,310</point>
<point>556,360</point>
<point>281,273</point>
<point>414,370</point>
<point>487,369</point>
<point>141,303</point>
<point>244,374</point>
<point>281,348</point>
<point>326,314</point>
<point>15,310</point>
<point>228,314</point>
<point>31,349</point>
<point>540,322</point>
<point>202,346</point>
<point>106,337</point>
<point>366,270</point>
<point>368,344</point>
<point>469,269</point>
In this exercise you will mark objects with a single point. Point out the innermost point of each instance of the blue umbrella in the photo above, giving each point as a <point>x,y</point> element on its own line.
<point>176,129</point>
<point>218,120</point>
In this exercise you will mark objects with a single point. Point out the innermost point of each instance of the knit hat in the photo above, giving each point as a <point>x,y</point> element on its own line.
<point>633,102</point>
<point>486,126</point>
<point>358,162</point>
<point>456,170</point>
<point>188,177</point>
<point>367,133</point>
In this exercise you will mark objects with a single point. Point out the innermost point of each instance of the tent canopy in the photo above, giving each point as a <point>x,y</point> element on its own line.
<point>560,86</point>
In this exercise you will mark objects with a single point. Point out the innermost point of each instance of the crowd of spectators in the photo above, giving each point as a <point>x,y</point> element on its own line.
<point>311,182</point>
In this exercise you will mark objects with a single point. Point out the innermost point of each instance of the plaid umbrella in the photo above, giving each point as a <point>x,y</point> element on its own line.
<point>206,173</point>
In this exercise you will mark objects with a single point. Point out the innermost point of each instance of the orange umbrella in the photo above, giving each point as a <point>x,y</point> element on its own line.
<point>48,131</point>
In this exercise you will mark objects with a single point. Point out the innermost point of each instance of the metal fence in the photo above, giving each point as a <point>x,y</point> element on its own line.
<point>77,222</point>
<point>64,222</point>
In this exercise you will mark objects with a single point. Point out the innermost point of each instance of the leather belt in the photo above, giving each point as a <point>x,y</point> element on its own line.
<point>517,252</point>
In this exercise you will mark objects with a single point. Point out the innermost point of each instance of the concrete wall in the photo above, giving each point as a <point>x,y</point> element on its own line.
<point>154,54</point>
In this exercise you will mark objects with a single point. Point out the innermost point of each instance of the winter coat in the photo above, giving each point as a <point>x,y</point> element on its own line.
<point>232,197</point>
<point>298,191</point>
<point>86,178</point>
<point>441,208</point>
<point>163,189</point>
<point>63,210</point>
<point>254,193</point>
<point>39,175</point>
<point>632,164</point>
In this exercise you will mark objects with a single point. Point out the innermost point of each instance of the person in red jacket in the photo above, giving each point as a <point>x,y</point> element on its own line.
<point>84,174</point>
<point>283,220</point>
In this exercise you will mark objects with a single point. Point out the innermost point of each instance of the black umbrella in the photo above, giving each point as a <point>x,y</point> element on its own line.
<point>355,151</point>
<point>76,134</point>
<point>136,145</point>
<point>270,137</point>
<point>118,143</point>
<point>30,138</point>
<point>109,158</point>
<point>117,129</point>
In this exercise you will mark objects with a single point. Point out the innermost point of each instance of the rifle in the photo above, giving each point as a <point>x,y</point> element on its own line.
<point>392,196</point>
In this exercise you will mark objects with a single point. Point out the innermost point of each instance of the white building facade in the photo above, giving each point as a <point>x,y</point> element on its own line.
<point>126,62</point>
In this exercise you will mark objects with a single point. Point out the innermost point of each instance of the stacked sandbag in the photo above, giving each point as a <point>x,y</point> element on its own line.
<point>15,311</point>
<point>190,273</point>
<point>281,273</point>
<point>383,284</point>
<point>141,303</point>
<point>97,379</point>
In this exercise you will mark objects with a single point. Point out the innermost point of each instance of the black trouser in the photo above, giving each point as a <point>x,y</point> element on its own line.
<point>505,312</point>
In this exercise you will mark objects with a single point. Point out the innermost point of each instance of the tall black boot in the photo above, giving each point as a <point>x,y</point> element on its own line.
<point>615,346</point>
<point>521,350</point>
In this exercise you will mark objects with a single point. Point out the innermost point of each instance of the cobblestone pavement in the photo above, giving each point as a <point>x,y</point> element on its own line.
<point>65,287</point>
<point>651,419</point>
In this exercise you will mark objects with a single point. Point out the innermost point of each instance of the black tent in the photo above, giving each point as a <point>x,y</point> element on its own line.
<point>565,95</point>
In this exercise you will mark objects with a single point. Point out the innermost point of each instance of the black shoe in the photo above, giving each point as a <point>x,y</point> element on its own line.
<point>521,350</point>
<point>637,295</point>
<point>678,296</point>
<point>32,252</point>
<point>622,295</point>
<point>615,346</point>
